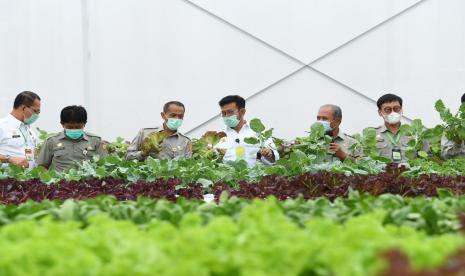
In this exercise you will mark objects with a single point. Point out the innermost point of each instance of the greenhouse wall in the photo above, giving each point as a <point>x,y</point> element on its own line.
<point>122,59</point>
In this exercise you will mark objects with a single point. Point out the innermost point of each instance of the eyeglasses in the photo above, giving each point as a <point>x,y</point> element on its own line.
<point>34,110</point>
<point>388,110</point>
<point>228,113</point>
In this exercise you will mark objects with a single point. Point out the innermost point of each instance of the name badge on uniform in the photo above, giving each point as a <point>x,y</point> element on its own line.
<point>29,154</point>
<point>396,154</point>
<point>14,134</point>
<point>86,150</point>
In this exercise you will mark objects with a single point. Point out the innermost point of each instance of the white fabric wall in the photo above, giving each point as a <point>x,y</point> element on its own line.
<point>122,59</point>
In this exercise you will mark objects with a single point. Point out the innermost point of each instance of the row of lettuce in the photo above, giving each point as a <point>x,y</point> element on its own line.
<point>236,237</point>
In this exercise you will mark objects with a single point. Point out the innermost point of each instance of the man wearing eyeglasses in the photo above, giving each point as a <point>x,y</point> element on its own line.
<point>391,143</point>
<point>18,141</point>
<point>237,129</point>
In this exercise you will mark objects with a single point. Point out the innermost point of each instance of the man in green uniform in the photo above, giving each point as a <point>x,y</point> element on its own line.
<point>73,145</point>
<point>331,117</point>
<point>391,143</point>
<point>172,144</point>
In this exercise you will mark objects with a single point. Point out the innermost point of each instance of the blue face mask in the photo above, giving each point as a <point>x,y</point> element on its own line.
<point>174,123</point>
<point>74,134</point>
<point>326,125</point>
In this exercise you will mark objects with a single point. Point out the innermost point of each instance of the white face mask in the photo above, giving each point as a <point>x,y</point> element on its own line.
<point>393,118</point>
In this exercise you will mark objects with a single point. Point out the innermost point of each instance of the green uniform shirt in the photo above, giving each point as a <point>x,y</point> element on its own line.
<point>61,152</point>
<point>345,142</point>
<point>176,145</point>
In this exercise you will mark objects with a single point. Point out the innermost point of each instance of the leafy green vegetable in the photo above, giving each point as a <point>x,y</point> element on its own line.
<point>258,240</point>
<point>151,144</point>
<point>263,135</point>
<point>421,138</point>
<point>454,125</point>
<point>119,147</point>
<point>316,143</point>
<point>204,148</point>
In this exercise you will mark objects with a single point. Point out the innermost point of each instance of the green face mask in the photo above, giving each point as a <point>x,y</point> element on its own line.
<point>31,119</point>
<point>231,121</point>
<point>174,123</point>
<point>74,134</point>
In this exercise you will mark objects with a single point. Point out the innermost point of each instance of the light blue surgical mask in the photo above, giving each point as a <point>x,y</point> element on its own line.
<point>231,121</point>
<point>174,123</point>
<point>74,134</point>
<point>32,119</point>
<point>326,125</point>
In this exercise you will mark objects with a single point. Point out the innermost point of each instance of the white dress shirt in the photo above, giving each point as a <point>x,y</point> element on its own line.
<point>16,137</point>
<point>237,149</point>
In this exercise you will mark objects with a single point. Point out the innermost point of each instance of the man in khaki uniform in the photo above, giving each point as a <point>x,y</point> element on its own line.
<point>391,146</point>
<point>390,142</point>
<point>73,145</point>
<point>330,116</point>
<point>173,146</point>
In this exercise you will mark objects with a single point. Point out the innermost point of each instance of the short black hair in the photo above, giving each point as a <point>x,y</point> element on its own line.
<point>73,114</point>
<point>240,102</point>
<point>463,98</point>
<point>26,98</point>
<point>166,106</point>
<point>388,98</point>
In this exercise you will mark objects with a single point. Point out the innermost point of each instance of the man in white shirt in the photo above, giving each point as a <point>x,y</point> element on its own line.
<point>18,141</point>
<point>237,129</point>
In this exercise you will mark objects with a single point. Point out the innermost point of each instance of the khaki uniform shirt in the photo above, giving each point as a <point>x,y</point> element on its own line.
<point>385,146</point>
<point>61,152</point>
<point>345,142</point>
<point>176,145</point>
<point>451,149</point>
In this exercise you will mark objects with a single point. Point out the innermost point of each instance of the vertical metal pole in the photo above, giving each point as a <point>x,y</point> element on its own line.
<point>86,55</point>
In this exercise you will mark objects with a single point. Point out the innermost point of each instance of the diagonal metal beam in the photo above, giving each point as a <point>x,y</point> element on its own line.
<point>302,63</point>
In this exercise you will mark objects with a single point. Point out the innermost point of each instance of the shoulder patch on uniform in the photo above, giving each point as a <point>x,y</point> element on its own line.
<point>185,136</point>
<point>350,136</point>
<point>54,135</point>
<point>93,135</point>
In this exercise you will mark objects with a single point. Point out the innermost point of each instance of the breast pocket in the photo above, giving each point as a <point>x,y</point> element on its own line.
<point>14,140</point>
<point>381,145</point>
<point>404,143</point>
<point>59,153</point>
<point>384,149</point>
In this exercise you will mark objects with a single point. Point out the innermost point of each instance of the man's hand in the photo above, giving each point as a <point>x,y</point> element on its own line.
<point>268,154</point>
<point>337,151</point>
<point>22,162</point>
